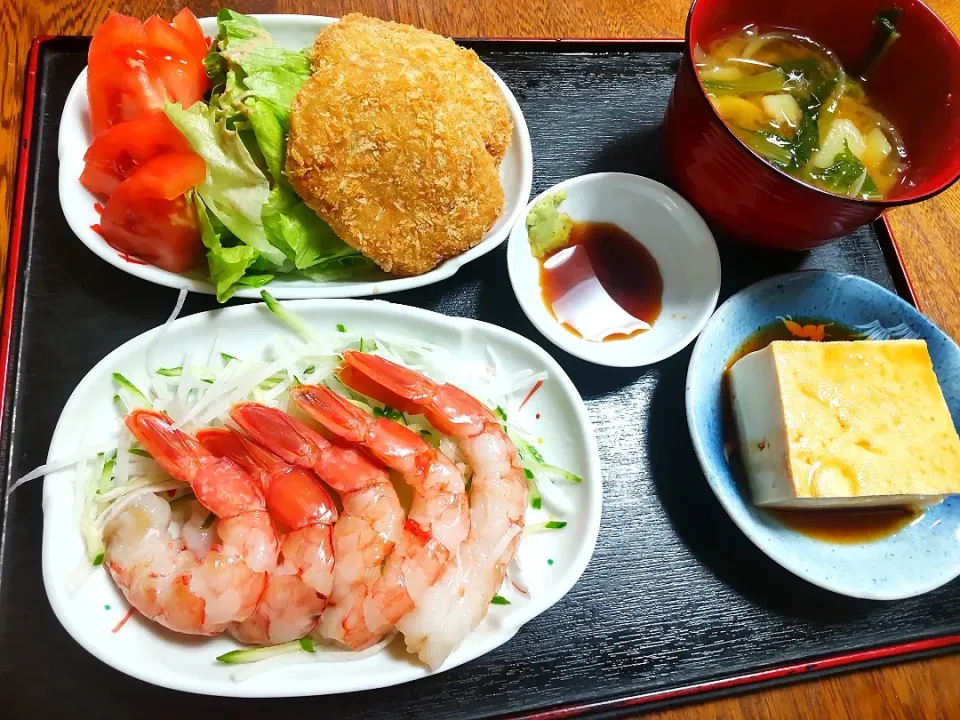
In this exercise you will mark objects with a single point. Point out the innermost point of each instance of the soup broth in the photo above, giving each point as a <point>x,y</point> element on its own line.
<point>790,100</point>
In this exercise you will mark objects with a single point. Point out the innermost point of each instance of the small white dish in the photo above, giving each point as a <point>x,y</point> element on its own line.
<point>552,562</point>
<point>668,227</point>
<point>293,32</point>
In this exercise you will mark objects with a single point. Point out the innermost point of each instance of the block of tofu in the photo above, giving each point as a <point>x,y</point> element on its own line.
<point>844,424</point>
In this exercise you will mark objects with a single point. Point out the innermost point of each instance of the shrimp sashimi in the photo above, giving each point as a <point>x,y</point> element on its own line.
<point>438,521</point>
<point>163,579</point>
<point>498,499</point>
<point>367,531</point>
<point>297,591</point>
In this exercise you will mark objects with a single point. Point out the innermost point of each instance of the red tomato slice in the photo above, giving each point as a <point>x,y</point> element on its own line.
<point>133,69</point>
<point>116,31</point>
<point>120,151</point>
<point>127,82</point>
<point>166,37</point>
<point>148,216</point>
<point>183,75</point>
<point>186,22</point>
<point>122,84</point>
<point>168,176</point>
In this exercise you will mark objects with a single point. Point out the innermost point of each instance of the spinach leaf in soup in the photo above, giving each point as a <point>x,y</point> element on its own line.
<point>814,80</point>
<point>775,148</point>
<point>842,176</point>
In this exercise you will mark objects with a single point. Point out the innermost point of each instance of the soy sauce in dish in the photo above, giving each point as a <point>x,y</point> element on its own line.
<point>602,285</point>
<point>836,526</point>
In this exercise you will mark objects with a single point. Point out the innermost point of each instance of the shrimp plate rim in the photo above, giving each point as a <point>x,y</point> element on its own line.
<point>915,560</point>
<point>148,652</point>
<point>294,32</point>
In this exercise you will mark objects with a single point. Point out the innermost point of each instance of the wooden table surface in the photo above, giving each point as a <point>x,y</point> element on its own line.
<point>928,234</point>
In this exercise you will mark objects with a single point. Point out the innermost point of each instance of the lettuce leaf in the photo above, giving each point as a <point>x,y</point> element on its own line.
<point>227,264</point>
<point>253,224</point>
<point>235,189</point>
<point>348,266</point>
<point>255,82</point>
<point>271,136</point>
<point>237,26</point>
<point>306,240</point>
<point>271,73</point>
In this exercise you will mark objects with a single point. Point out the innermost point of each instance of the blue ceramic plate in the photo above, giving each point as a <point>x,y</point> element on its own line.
<point>918,558</point>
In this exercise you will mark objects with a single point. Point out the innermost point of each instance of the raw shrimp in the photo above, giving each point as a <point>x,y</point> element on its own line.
<point>366,532</point>
<point>438,520</point>
<point>297,590</point>
<point>158,575</point>
<point>458,602</point>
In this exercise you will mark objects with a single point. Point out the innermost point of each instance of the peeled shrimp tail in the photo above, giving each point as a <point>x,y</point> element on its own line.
<point>165,581</point>
<point>459,601</point>
<point>438,520</point>
<point>297,590</point>
<point>364,536</point>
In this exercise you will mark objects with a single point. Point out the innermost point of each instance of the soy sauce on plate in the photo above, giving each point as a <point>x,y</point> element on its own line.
<point>837,526</point>
<point>602,285</point>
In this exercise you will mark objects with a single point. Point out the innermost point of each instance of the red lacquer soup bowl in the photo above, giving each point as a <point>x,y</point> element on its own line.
<point>916,84</point>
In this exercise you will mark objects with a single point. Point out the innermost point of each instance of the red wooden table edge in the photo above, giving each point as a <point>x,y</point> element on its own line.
<point>827,663</point>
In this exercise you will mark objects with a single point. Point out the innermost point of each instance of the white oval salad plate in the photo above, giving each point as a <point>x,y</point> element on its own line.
<point>499,366</point>
<point>293,32</point>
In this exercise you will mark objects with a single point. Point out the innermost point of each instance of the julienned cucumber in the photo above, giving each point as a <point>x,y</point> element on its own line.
<point>130,394</point>
<point>533,461</point>
<point>252,655</point>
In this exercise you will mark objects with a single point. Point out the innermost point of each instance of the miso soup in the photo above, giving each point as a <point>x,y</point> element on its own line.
<point>790,100</point>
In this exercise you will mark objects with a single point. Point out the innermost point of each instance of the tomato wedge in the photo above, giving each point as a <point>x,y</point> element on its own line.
<point>120,151</point>
<point>131,81</point>
<point>148,216</point>
<point>134,69</point>
<point>163,35</point>
<point>117,31</point>
<point>186,22</point>
<point>120,87</point>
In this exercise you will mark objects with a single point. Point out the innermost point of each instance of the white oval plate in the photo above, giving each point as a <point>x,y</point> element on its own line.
<point>293,32</point>
<point>146,651</point>
<point>672,232</point>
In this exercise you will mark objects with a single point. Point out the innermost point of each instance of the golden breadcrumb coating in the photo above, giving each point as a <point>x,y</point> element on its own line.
<point>396,141</point>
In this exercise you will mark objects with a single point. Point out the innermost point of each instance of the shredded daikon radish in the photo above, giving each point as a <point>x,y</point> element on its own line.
<point>517,577</point>
<point>61,463</point>
<point>178,306</point>
<point>122,468</point>
<point>135,484</point>
<point>121,503</point>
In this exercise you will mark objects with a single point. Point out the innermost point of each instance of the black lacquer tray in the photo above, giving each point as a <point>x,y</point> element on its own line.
<point>676,602</point>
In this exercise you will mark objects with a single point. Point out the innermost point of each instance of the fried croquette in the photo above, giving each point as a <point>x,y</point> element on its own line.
<point>396,141</point>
